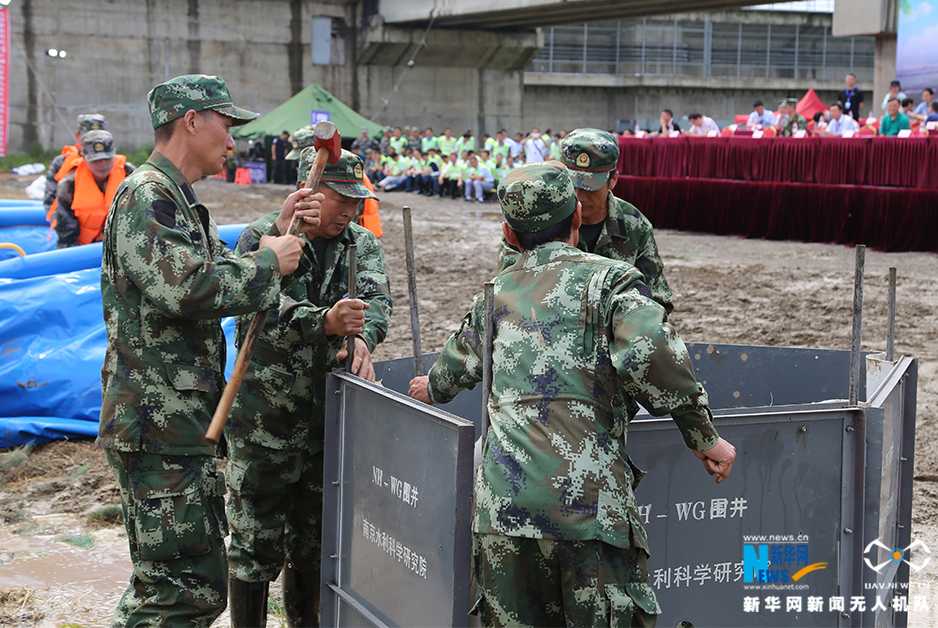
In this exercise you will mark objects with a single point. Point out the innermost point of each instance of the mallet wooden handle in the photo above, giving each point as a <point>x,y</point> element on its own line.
<point>257,324</point>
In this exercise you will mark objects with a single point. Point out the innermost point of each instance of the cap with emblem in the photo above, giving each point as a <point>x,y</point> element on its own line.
<point>91,122</point>
<point>346,176</point>
<point>301,139</point>
<point>97,145</point>
<point>536,196</point>
<point>590,154</point>
<point>789,102</point>
<point>198,92</point>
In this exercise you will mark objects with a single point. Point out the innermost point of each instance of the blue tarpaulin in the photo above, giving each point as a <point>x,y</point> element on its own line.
<point>52,345</point>
<point>18,225</point>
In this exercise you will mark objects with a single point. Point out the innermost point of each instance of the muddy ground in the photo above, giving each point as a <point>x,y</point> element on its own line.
<point>63,556</point>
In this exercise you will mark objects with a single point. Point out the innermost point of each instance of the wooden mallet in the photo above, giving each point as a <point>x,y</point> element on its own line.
<point>328,147</point>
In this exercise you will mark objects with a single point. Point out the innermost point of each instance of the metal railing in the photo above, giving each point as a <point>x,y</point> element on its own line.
<point>678,47</point>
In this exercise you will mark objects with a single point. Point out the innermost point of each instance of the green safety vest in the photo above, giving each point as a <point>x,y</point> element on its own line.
<point>446,145</point>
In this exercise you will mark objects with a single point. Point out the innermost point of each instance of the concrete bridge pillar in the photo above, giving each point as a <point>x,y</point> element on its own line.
<point>879,18</point>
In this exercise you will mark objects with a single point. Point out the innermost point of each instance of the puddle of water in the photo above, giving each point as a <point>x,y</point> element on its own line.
<point>486,214</point>
<point>43,560</point>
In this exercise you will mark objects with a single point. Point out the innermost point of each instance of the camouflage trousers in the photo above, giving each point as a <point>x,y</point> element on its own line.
<point>543,582</point>
<point>174,514</point>
<point>275,510</point>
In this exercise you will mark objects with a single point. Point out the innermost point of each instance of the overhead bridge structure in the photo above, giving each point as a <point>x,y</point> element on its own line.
<point>521,14</point>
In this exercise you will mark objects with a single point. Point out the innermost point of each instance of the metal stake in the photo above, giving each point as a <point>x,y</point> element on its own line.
<point>412,290</point>
<point>352,294</point>
<point>891,317</point>
<point>488,325</point>
<point>857,326</point>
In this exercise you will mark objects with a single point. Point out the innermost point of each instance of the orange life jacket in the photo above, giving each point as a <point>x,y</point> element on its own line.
<point>370,219</point>
<point>72,159</point>
<point>90,204</point>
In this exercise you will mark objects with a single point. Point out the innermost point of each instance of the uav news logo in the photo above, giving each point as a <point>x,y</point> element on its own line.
<point>896,555</point>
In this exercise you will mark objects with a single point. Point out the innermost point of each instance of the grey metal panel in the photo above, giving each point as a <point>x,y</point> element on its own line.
<point>781,484</point>
<point>735,376</point>
<point>321,40</point>
<point>396,375</point>
<point>751,376</point>
<point>890,436</point>
<point>398,480</point>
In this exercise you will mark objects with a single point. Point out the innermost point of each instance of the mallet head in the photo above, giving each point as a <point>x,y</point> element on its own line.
<point>327,136</point>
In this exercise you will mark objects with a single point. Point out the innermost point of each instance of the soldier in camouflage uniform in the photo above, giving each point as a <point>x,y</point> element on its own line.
<point>789,118</point>
<point>302,138</point>
<point>166,281</point>
<point>79,218</point>
<point>611,227</point>
<point>275,433</point>
<point>578,344</point>
<point>364,142</point>
<point>384,146</point>
<point>72,155</point>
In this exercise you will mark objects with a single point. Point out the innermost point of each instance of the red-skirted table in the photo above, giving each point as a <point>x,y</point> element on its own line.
<point>882,192</point>
<point>889,161</point>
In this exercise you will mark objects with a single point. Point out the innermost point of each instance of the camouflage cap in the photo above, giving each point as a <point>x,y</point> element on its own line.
<point>789,102</point>
<point>97,145</point>
<point>172,99</point>
<point>301,139</point>
<point>536,196</point>
<point>91,122</point>
<point>346,176</point>
<point>590,154</point>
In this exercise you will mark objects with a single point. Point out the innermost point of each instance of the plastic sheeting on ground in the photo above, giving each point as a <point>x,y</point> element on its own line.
<point>52,346</point>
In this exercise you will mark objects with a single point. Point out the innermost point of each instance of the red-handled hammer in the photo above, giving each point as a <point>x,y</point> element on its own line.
<point>328,147</point>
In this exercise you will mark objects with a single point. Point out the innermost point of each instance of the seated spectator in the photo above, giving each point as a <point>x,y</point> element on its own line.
<point>760,116</point>
<point>517,149</point>
<point>820,120</point>
<point>924,108</point>
<point>395,168</point>
<point>448,180</point>
<point>839,123</point>
<point>933,116</point>
<point>476,179</point>
<point>895,91</point>
<point>701,124</point>
<point>374,167</point>
<point>418,167</point>
<point>907,107</point>
<point>790,121</point>
<point>667,123</point>
<point>894,120</point>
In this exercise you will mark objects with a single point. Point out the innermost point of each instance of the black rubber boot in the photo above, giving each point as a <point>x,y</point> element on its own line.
<point>300,597</point>
<point>247,602</point>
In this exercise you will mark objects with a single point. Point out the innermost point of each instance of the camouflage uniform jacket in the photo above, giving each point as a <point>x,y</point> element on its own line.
<point>166,280</point>
<point>578,344</point>
<point>281,404</point>
<point>384,146</point>
<point>364,143</point>
<point>66,224</point>
<point>51,184</point>
<point>627,236</point>
<point>788,125</point>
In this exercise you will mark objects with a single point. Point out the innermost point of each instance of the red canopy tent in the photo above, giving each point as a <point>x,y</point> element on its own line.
<point>810,104</point>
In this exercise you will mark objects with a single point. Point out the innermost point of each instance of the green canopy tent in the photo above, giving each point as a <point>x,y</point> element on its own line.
<point>298,112</point>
